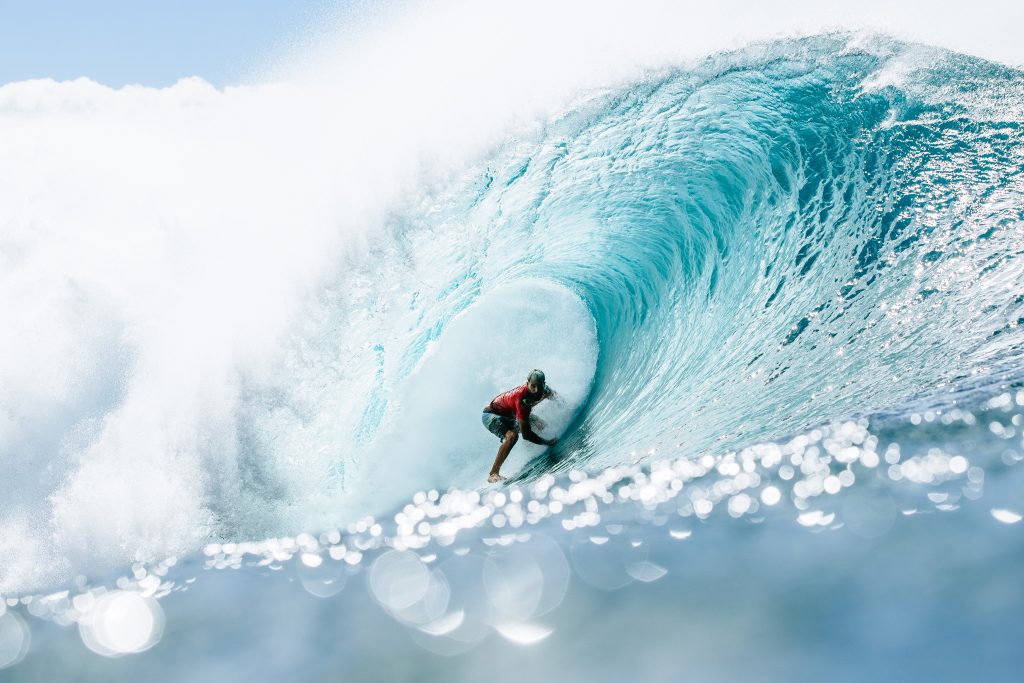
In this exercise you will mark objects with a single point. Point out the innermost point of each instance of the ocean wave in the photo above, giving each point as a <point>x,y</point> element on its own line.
<point>702,258</point>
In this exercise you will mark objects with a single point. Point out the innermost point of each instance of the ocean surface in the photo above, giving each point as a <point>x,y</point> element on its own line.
<point>779,290</point>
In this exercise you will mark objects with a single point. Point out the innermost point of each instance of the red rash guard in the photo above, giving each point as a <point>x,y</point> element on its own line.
<point>510,404</point>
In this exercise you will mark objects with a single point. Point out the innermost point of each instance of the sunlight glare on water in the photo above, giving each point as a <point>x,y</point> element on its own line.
<point>122,622</point>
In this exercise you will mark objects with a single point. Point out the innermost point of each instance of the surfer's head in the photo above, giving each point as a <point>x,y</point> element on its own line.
<point>535,385</point>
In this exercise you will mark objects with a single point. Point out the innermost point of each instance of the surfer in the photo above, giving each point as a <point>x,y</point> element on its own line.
<point>508,415</point>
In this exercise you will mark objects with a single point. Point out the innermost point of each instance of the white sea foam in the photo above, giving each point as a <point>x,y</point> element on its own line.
<point>157,246</point>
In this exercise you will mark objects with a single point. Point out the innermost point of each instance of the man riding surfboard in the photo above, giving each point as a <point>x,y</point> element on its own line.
<point>508,415</point>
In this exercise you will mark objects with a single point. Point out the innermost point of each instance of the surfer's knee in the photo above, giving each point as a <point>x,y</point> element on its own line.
<point>511,436</point>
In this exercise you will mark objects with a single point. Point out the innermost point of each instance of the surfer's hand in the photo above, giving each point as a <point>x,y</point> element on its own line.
<point>552,442</point>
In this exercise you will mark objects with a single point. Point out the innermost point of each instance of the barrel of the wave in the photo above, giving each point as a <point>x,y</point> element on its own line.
<point>429,433</point>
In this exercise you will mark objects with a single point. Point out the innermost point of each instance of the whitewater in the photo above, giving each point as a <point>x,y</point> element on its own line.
<point>778,285</point>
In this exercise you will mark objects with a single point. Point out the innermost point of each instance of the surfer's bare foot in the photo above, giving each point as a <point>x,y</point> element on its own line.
<point>495,477</point>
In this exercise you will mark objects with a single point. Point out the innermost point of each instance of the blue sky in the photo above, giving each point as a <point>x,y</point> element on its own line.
<point>157,42</point>
<point>149,42</point>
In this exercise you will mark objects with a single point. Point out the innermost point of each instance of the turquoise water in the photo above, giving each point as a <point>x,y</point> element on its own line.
<point>781,291</point>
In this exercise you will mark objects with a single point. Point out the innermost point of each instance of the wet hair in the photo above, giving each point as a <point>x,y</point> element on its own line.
<point>538,377</point>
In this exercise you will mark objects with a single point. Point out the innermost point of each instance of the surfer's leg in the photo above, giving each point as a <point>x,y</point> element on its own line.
<point>511,436</point>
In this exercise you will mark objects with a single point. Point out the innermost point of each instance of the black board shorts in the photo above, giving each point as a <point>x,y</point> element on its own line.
<point>498,424</point>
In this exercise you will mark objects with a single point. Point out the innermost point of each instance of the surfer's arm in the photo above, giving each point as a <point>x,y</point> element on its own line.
<point>527,431</point>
